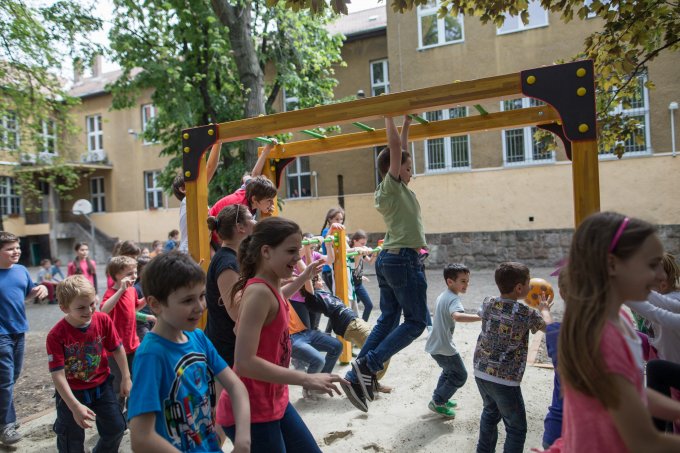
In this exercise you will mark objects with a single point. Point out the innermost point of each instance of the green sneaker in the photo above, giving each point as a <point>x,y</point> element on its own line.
<point>442,410</point>
<point>451,404</point>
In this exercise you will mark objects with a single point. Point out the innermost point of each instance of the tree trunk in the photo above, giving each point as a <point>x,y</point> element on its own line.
<point>238,20</point>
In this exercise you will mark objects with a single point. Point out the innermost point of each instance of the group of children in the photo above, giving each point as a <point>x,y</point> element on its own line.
<point>176,378</point>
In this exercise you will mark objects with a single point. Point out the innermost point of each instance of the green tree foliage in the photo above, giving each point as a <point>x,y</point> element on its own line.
<point>203,71</point>
<point>35,41</point>
<point>633,33</point>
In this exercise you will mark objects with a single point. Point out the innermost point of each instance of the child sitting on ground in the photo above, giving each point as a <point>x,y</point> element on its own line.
<point>121,303</point>
<point>447,312</point>
<point>173,399</point>
<point>45,278</point>
<point>501,356</point>
<point>76,351</point>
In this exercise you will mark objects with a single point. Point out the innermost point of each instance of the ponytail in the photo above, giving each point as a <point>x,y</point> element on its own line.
<point>247,262</point>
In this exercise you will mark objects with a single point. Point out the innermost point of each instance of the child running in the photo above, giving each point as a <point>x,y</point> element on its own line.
<point>612,259</point>
<point>263,343</point>
<point>447,312</point>
<point>173,398</point>
<point>501,357</point>
<point>76,351</point>
<point>400,273</point>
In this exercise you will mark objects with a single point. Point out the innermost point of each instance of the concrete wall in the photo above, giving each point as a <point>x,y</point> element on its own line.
<point>17,226</point>
<point>141,226</point>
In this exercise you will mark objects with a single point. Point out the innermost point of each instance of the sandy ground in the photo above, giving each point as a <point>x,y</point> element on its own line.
<point>396,422</point>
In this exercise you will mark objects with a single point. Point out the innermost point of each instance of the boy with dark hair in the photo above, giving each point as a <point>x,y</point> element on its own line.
<point>501,355</point>
<point>76,351</point>
<point>400,273</point>
<point>440,346</point>
<point>173,400</point>
<point>15,287</point>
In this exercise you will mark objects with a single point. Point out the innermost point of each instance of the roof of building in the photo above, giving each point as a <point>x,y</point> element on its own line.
<point>92,86</point>
<point>361,22</point>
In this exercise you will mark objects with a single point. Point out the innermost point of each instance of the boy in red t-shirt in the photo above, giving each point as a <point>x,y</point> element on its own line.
<point>121,303</point>
<point>76,348</point>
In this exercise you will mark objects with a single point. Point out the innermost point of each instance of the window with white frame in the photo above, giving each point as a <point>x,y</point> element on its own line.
<point>637,106</point>
<point>153,191</point>
<point>291,101</point>
<point>97,196</point>
<point>148,114</point>
<point>299,178</point>
<point>380,77</point>
<point>450,153</point>
<point>10,201</point>
<point>538,17</point>
<point>49,137</point>
<point>433,31</point>
<point>519,145</point>
<point>95,135</point>
<point>9,131</point>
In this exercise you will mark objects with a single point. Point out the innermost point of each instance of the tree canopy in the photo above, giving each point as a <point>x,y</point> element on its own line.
<point>35,41</point>
<point>633,33</point>
<point>207,64</point>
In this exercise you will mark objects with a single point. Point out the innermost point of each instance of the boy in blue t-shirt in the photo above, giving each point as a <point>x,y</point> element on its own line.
<point>173,395</point>
<point>447,312</point>
<point>400,273</point>
<point>15,287</point>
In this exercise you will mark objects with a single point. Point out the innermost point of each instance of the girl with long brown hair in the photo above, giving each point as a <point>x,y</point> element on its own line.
<point>612,259</point>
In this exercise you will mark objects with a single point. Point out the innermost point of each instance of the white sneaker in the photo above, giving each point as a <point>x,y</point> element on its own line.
<point>10,435</point>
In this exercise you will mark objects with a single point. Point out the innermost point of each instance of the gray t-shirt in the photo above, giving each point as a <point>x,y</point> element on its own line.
<point>441,339</point>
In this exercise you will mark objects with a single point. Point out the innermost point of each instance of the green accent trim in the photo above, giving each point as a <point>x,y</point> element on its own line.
<point>313,134</point>
<point>364,127</point>
<point>481,110</point>
<point>264,140</point>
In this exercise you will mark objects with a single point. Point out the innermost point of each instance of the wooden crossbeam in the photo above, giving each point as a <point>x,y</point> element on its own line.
<point>396,104</point>
<point>436,129</point>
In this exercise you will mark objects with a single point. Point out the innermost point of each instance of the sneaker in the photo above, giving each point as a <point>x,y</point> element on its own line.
<point>367,379</point>
<point>355,395</point>
<point>451,404</point>
<point>10,435</point>
<point>442,410</point>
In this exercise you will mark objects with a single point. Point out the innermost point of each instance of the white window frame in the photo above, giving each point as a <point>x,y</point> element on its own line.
<point>98,194</point>
<point>638,112</point>
<point>385,84</point>
<point>148,114</point>
<point>528,141</point>
<point>534,6</point>
<point>155,190</point>
<point>294,170</point>
<point>49,132</point>
<point>448,147</point>
<point>95,132</point>
<point>7,129</point>
<point>432,9</point>
<point>289,100</point>
<point>10,201</point>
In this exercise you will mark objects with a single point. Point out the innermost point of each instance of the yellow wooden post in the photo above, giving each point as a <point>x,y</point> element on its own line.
<point>586,179</point>
<point>269,170</point>
<point>197,227</point>
<point>342,285</point>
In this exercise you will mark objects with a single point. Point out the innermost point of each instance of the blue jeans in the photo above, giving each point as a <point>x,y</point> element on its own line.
<point>364,298</point>
<point>452,378</point>
<point>403,288</point>
<point>501,402</point>
<point>110,421</point>
<point>308,345</point>
<point>11,361</point>
<point>288,435</point>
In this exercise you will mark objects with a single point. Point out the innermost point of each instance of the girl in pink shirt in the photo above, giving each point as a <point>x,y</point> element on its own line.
<point>83,265</point>
<point>613,259</point>
<point>263,346</point>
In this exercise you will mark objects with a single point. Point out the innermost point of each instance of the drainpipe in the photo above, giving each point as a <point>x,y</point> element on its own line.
<point>672,107</point>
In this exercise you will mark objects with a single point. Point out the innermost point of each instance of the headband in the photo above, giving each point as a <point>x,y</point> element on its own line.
<point>619,233</point>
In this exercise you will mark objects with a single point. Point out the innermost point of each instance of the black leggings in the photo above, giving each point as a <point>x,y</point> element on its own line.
<point>661,376</point>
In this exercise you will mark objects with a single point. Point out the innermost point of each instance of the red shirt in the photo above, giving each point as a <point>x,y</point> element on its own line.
<point>238,197</point>
<point>124,317</point>
<point>268,401</point>
<point>80,351</point>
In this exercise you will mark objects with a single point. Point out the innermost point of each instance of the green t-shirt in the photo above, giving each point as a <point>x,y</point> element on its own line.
<point>401,211</point>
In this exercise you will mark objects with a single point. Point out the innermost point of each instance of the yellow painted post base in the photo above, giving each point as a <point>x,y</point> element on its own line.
<point>586,179</point>
<point>346,356</point>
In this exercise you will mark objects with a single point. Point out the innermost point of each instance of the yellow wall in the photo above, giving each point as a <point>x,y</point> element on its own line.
<point>141,226</point>
<point>18,227</point>
<point>504,199</point>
